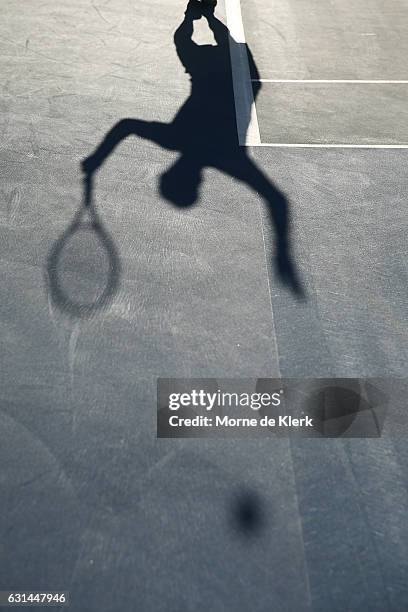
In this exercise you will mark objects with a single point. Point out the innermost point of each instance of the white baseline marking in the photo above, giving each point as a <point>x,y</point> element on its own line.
<point>356,81</point>
<point>245,111</point>
<point>308,145</point>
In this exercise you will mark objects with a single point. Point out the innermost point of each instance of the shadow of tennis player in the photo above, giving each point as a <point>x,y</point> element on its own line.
<point>204,131</point>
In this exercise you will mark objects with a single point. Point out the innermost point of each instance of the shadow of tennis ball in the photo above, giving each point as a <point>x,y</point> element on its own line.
<point>333,410</point>
<point>248,513</point>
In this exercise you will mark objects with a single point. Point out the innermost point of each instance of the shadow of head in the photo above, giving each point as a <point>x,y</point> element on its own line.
<point>247,513</point>
<point>180,183</point>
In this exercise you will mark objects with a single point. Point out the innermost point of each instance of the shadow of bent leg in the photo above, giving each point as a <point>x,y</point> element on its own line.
<point>245,170</point>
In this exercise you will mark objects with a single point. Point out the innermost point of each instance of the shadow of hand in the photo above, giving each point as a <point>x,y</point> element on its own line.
<point>194,10</point>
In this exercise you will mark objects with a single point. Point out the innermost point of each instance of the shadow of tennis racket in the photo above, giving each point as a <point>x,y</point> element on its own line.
<point>83,266</point>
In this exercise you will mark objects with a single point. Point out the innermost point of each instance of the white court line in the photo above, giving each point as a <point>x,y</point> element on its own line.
<point>245,110</point>
<point>357,81</point>
<point>308,145</point>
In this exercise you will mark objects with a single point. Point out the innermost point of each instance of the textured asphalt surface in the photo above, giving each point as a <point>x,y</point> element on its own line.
<point>99,301</point>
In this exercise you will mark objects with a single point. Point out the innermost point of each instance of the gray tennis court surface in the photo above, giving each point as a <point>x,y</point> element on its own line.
<point>175,273</point>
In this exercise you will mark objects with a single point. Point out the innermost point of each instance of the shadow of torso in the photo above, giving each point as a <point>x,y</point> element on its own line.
<point>206,121</point>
